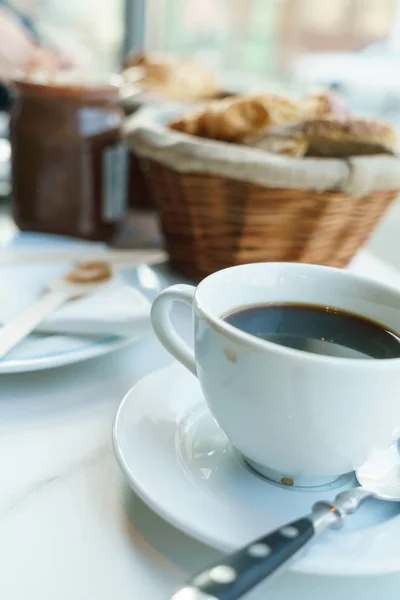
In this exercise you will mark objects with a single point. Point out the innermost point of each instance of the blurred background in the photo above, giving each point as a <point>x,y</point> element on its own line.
<point>349,45</point>
<point>353,45</point>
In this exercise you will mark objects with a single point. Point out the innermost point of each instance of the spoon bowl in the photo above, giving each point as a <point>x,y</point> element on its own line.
<point>380,474</point>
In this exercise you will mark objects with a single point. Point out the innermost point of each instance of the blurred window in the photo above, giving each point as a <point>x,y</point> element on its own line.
<point>91,29</point>
<point>352,45</point>
<point>327,16</point>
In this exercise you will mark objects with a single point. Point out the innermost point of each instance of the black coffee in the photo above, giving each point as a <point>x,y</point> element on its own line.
<point>317,329</point>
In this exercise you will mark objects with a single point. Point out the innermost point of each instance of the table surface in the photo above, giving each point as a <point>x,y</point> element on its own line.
<point>70,527</point>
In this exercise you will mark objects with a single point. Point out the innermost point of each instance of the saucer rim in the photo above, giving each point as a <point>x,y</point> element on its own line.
<point>62,358</point>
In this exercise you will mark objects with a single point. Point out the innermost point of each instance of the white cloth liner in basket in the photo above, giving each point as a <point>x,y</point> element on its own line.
<point>146,132</point>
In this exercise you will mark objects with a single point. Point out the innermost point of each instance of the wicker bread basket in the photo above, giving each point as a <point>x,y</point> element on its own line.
<point>222,205</point>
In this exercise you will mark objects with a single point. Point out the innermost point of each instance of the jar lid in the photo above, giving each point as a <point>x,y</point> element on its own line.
<point>69,84</point>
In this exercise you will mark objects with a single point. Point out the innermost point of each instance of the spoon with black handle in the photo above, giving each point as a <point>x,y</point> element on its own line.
<point>239,572</point>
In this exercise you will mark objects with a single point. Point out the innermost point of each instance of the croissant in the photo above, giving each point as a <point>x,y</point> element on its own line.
<point>285,142</point>
<point>238,118</point>
<point>170,76</point>
<point>232,119</point>
<point>324,104</point>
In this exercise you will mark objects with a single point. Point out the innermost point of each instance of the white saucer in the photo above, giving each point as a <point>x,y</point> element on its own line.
<point>180,463</point>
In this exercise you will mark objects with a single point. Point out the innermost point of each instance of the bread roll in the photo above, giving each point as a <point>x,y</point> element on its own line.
<point>349,137</point>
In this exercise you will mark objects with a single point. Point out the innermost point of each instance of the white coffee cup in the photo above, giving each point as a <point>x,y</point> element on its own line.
<point>296,417</point>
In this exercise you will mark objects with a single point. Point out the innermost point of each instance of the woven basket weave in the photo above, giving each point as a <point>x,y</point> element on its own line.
<point>211,222</point>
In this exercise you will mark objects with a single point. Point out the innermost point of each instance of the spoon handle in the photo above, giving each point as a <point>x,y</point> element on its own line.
<point>22,325</point>
<point>237,573</point>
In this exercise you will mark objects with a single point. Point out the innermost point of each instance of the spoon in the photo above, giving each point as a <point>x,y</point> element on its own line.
<point>84,279</point>
<point>146,279</point>
<point>237,573</point>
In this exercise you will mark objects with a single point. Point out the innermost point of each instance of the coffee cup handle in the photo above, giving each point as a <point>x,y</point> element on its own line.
<point>163,327</point>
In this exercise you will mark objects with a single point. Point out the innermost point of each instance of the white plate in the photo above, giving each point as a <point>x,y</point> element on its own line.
<point>181,464</point>
<point>23,283</point>
<point>65,350</point>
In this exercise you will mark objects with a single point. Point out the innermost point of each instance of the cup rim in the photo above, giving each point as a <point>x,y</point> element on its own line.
<point>236,334</point>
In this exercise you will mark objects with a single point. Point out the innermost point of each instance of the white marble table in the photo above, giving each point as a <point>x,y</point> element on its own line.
<point>70,529</point>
